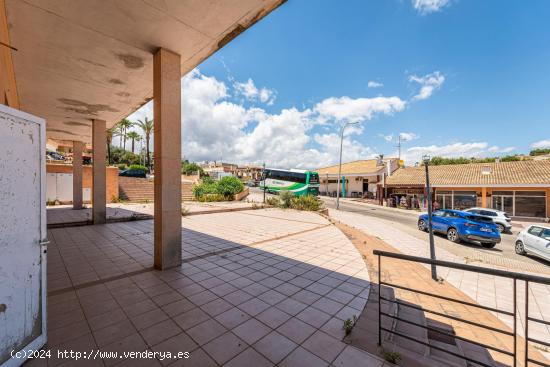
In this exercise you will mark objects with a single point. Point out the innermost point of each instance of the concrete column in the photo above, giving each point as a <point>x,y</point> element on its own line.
<point>484,197</point>
<point>167,144</point>
<point>78,147</point>
<point>99,182</point>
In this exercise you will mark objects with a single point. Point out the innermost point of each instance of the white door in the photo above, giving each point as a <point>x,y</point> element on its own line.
<point>22,235</point>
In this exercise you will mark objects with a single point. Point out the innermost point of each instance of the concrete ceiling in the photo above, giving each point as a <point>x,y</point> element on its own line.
<point>77,60</point>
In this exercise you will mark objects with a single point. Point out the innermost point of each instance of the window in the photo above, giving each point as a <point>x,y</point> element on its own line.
<point>464,199</point>
<point>546,234</point>
<point>530,204</point>
<point>313,178</point>
<point>487,213</point>
<point>535,231</point>
<point>287,176</point>
<point>438,213</point>
<point>444,199</point>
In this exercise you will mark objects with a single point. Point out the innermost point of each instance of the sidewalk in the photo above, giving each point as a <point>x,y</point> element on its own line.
<point>486,290</point>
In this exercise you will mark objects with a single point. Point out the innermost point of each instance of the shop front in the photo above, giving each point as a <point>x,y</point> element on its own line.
<point>407,198</point>
<point>526,203</point>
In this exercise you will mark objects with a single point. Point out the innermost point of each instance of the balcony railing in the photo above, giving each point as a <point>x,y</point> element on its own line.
<point>528,361</point>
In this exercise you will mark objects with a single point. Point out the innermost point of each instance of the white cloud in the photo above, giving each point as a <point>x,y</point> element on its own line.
<point>468,150</point>
<point>541,144</point>
<point>408,136</point>
<point>373,84</point>
<point>497,149</point>
<point>345,109</point>
<point>215,127</point>
<point>428,84</point>
<point>429,6</point>
<point>252,93</point>
<point>404,137</point>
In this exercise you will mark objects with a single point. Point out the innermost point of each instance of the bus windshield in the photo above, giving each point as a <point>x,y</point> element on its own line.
<point>313,178</point>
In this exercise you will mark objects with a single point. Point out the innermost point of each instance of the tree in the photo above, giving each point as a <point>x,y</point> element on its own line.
<point>124,125</point>
<point>134,136</point>
<point>117,132</point>
<point>190,168</point>
<point>147,127</point>
<point>110,133</point>
<point>539,151</point>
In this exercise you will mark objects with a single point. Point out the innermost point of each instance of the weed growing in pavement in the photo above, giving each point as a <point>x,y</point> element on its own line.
<point>392,357</point>
<point>349,324</point>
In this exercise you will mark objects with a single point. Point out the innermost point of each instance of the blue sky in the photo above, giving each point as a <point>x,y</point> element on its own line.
<point>455,77</point>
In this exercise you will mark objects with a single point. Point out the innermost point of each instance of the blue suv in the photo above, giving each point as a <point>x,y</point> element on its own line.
<point>462,226</point>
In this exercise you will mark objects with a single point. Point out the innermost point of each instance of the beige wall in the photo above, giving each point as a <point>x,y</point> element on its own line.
<point>351,185</point>
<point>112,177</point>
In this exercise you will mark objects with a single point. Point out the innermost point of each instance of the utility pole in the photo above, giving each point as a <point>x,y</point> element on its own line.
<point>263,175</point>
<point>426,160</point>
<point>399,146</point>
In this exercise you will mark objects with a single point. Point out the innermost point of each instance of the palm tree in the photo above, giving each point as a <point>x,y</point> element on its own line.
<point>147,127</point>
<point>110,133</point>
<point>117,132</point>
<point>124,125</point>
<point>134,136</point>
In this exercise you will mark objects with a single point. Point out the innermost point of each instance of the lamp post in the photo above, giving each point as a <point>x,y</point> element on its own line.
<point>426,159</point>
<point>340,164</point>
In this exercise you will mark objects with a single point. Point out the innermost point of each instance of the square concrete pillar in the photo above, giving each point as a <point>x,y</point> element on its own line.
<point>78,147</point>
<point>99,181</point>
<point>167,144</point>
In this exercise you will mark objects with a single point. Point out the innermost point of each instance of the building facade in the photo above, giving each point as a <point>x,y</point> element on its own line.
<point>521,189</point>
<point>359,179</point>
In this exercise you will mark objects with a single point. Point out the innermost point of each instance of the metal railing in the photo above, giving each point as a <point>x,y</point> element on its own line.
<point>476,269</point>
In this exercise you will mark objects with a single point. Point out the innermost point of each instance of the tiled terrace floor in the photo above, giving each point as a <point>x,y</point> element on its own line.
<point>257,288</point>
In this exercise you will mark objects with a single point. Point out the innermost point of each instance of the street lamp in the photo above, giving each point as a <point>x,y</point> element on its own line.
<point>426,159</point>
<point>340,165</point>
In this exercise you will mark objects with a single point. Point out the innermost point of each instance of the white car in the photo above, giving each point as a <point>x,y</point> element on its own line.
<point>500,218</point>
<point>534,240</point>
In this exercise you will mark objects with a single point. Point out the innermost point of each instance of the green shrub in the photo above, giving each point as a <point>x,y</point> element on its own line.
<point>274,201</point>
<point>122,166</point>
<point>224,189</point>
<point>307,202</point>
<point>138,167</point>
<point>211,198</point>
<point>229,186</point>
<point>204,188</point>
<point>286,199</point>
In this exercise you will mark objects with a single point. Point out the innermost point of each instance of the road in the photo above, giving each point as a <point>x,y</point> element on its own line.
<point>502,255</point>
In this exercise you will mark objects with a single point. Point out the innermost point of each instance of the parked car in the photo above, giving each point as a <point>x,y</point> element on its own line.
<point>50,154</point>
<point>251,183</point>
<point>133,173</point>
<point>462,226</point>
<point>501,219</point>
<point>534,240</point>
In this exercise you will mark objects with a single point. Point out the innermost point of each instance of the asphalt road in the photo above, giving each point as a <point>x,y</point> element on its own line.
<point>502,254</point>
